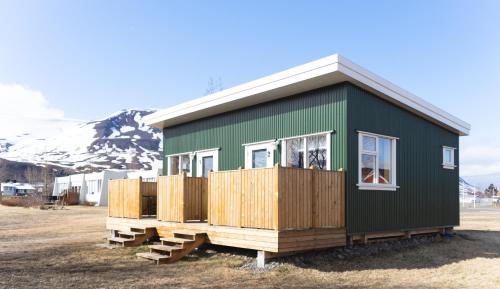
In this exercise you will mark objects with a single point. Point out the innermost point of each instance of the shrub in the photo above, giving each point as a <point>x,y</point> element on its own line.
<point>24,201</point>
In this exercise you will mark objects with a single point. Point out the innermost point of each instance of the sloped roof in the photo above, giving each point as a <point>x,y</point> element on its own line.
<point>323,72</point>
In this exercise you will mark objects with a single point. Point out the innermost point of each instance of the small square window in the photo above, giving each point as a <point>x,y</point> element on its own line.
<point>448,158</point>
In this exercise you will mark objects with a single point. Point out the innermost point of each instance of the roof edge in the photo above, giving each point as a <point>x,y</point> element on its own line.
<point>302,74</point>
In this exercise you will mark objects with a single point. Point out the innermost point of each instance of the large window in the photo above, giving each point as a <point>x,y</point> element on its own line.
<point>307,151</point>
<point>179,164</point>
<point>448,158</point>
<point>377,162</point>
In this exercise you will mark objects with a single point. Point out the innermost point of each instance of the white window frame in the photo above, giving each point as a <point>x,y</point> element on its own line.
<point>270,146</point>
<point>376,186</point>
<point>451,165</point>
<point>328,135</point>
<point>191,156</point>
<point>207,153</point>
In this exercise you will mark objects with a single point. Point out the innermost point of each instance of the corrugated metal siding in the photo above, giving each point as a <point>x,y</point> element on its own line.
<point>428,194</point>
<point>314,111</point>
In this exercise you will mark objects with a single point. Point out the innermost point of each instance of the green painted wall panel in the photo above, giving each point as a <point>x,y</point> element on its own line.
<point>310,112</point>
<point>428,193</point>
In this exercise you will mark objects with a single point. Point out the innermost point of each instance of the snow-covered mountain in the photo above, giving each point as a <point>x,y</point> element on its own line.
<point>120,141</point>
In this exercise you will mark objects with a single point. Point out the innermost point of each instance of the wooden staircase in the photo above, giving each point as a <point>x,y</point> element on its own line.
<point>134,237</point>
<point>173,249</point>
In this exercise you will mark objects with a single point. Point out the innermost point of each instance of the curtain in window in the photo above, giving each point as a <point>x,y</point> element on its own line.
<point>295,153</point>
<point>185,164</point>
<point>174,165</point>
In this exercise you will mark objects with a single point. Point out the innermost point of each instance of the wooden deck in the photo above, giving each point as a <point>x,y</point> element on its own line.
<point>273,210</point>
<point>248,238</point>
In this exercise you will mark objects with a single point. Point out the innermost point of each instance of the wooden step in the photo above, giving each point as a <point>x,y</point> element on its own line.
<point>188,235</point>
<point>138,229</point>
<point>119,240</point>
<point>158,258</point>
<point>174,240</point>
<point>164,248</point>
<point>131,234</point>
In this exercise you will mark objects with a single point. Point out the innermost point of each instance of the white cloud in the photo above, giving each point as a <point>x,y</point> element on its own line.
<point>24,110</point>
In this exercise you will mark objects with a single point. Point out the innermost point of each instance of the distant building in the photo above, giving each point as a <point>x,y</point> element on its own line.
<point>16,189</point>
<point>93,187</point>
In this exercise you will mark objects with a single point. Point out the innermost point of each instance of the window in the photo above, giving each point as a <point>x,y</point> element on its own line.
<point>449,158</point>
<point>207,165</point>
<point>377,162</point>
<point>259,155</point>
<point>174,165</point>
<point>178,164</point>
<point>259,158</point>
<point>185,164</point>
<point>307,151</point>
<point>294,153</point>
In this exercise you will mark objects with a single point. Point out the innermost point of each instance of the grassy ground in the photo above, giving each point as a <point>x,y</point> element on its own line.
<point>57,249</point>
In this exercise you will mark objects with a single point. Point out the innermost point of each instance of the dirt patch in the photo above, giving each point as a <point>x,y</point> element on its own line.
<point>57,249</point>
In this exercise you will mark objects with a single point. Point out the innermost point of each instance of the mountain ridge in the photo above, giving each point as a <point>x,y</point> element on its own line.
<point>119,141</point>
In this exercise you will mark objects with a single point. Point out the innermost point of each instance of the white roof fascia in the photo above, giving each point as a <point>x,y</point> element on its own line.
<point>323,72</point>
<point>402,96</point>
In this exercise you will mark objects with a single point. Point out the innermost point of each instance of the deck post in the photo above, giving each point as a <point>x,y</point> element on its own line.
<point>139,192</point>
<point>262,256</point>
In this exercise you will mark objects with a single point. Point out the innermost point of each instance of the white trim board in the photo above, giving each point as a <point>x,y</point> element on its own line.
<point>323,72</point>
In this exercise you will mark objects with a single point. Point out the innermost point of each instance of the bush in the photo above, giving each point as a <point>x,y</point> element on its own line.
<point>24,201</point>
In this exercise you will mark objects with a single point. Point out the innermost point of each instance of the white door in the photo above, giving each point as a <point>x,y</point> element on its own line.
<point>207,161</point>
<point>259,156</point>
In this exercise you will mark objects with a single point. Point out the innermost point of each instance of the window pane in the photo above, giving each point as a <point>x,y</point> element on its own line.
<point>295,153</point>
<point>185,164</point>
<point>174,165</point>
<point>316,146</point>
<point>207,164</point>
<point>448,156</point>
<point>384,161</point>
<point>369,143</point>
<point>367,168</point>
<point>259,158</point>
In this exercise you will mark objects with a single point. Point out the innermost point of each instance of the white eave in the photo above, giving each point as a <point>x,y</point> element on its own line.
<point>323,72</point>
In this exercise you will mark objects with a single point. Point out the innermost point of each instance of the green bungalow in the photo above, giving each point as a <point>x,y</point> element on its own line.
<point>397,155</point>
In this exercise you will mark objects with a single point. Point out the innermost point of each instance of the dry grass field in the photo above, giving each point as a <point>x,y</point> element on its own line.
<point>57,249</point>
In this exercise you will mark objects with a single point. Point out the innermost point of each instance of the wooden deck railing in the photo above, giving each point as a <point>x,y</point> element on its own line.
<point>182,198</point>
<point>277,198</point>
<point>128,198</point>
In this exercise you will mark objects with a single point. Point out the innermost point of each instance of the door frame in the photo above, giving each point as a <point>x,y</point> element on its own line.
<point>214,153</point>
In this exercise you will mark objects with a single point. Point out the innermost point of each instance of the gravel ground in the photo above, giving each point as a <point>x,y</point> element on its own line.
<point>58,249</point>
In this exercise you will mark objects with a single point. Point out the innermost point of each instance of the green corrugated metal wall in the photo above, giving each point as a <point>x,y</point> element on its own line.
<point>428,193</point>
<point>314,111</point>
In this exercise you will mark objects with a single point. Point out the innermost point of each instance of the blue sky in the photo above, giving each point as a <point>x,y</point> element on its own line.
<point>153,54</point>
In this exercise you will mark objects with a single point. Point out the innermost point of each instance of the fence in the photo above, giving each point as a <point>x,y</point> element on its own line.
<point>277,198</point>
<point>182,198</point>
<point>131,198</point>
